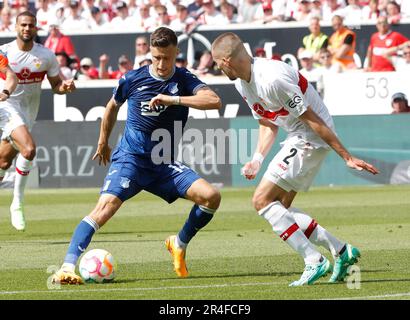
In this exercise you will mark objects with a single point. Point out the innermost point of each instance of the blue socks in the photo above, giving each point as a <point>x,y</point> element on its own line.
<point>198,218</point>
<point>80,240</point>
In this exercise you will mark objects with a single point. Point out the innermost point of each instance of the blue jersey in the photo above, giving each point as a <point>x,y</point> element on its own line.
<point>138,87</point>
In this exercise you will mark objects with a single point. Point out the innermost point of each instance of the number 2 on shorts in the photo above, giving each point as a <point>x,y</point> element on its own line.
<point>293,152</point>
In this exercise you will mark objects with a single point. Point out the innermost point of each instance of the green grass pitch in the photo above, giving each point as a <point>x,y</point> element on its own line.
<point>235,257</point>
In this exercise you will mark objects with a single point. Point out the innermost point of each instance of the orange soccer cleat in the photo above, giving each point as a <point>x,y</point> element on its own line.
<point>178,256</point>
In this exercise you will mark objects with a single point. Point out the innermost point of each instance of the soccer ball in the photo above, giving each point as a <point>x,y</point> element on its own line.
<point>97,266</point>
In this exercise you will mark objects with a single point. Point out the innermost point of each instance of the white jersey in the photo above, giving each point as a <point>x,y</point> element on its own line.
<point>279,93</point>
<point>30,68</point>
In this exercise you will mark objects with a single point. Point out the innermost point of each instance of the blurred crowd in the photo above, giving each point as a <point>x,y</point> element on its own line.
<point>183,15</point>
<point>319,53</point>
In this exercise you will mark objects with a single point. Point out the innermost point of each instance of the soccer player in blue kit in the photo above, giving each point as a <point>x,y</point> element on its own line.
<point>158,95</point>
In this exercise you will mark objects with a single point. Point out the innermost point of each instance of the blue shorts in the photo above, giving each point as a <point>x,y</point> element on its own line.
<point>128,175</point>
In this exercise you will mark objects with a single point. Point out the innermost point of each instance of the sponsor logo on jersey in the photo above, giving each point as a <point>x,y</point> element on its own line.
<point>125,182</point>
<point>272,115</point>
<point>37,62</point>
<point>142,88</point>
<point>25,73</point>
<point>112,172</point>
<point>152,112</point>
<point>295,101</point>
<point>173,87</point>
<point>25,76</point>
<point>379,51</point>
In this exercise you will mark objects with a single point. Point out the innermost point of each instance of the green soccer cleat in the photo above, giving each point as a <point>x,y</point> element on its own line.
<point>313,272</point>
<point>17,216</point>
<point>343,262</point>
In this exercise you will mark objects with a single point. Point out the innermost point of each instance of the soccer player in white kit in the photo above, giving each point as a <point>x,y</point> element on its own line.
<point>280,97</point>
<point>31,62</point>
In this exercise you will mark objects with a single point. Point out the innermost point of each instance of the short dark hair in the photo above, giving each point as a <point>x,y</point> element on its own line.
<point>26,14</point>
<point>163,37</point>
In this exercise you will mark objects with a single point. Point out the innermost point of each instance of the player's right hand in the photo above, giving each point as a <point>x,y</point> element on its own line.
<point>251,169</point>
<point>359,164</point>
<point>103,153</point>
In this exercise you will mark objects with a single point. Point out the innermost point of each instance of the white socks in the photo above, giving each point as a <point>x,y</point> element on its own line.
<point>23,167</point>
<point>316,233</point>
<point>68,267</point>
<point>284,225</point>
<point>180,244</point>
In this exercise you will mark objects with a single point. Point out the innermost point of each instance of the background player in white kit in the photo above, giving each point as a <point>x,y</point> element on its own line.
<point>280,97</point>
<point>31,62</point>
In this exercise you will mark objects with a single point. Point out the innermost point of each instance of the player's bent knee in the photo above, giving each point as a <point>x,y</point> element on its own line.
<point>211,198</point>
<point>29,152</point>
<point>214,199</point>
<point>259,202</point>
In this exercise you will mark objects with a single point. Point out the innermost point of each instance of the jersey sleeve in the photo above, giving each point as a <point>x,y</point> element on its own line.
<point>288,95</point>
<point>120,93</point>
<point>53,68</point>
<point>191,83</point>
<point>401,39</point>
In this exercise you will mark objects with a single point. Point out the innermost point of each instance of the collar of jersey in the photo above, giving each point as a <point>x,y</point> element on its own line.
<point>160,78</point>
<point>384,36</point>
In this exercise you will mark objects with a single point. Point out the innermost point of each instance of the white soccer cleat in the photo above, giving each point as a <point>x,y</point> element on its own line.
<point>313,272</point>
<point>17,216</point>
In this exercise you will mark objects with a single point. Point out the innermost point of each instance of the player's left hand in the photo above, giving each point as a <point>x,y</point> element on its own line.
<point>68,86</point>
<point>161,99</point>
<point>103,154</point>
<point>359,164</point>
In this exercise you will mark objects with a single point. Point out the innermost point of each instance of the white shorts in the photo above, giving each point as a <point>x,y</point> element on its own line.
<point>295,166</point>
<point>10,119</point>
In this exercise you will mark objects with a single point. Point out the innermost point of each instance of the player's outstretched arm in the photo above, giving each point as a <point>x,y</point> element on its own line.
<point>10,83</point>
<point>61,86</point>
<point>204,99</point>
<point>103,152</point>
<point>318,125</point>
<point>267,135</point>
